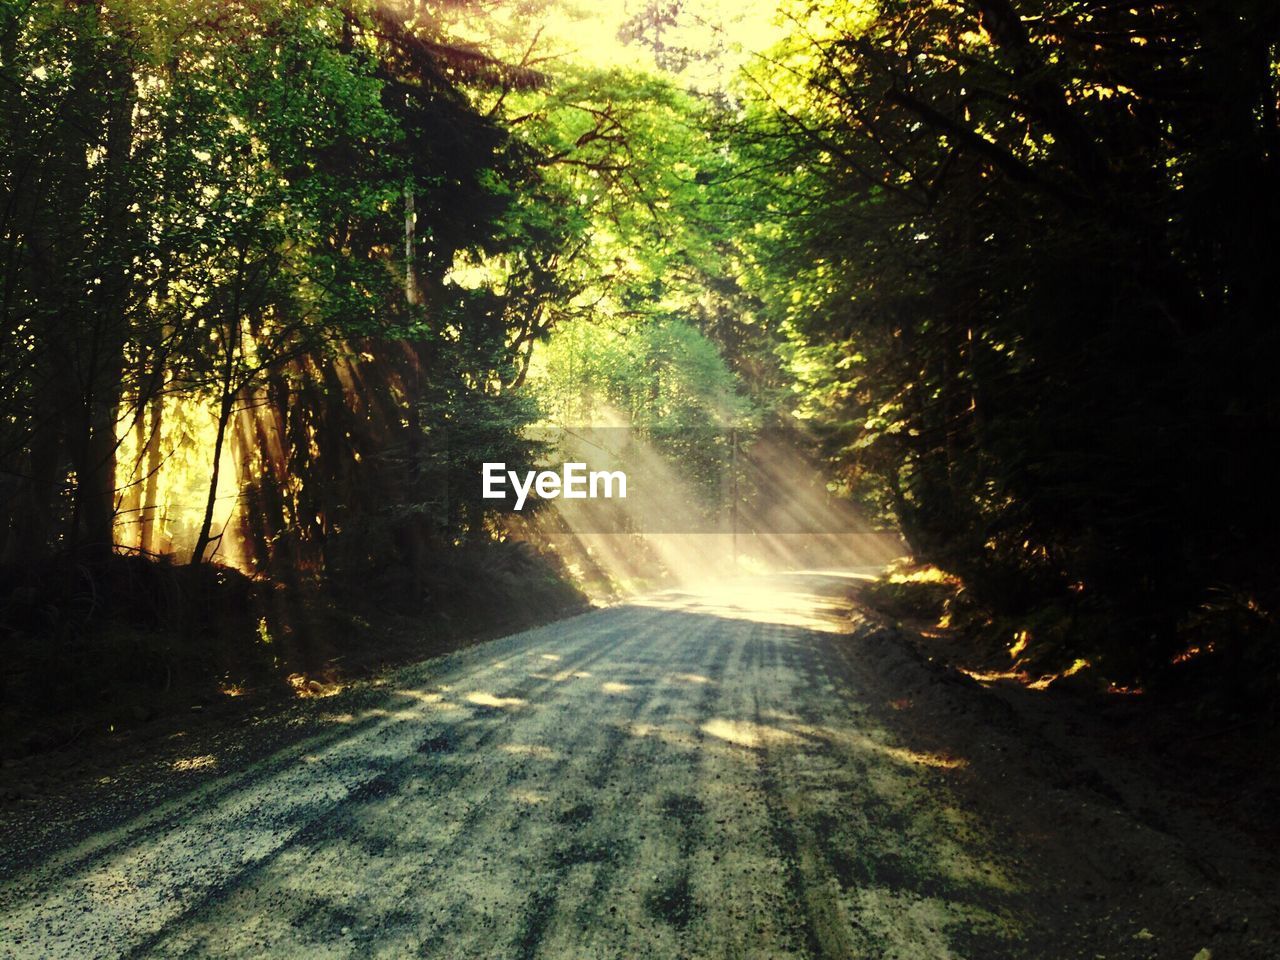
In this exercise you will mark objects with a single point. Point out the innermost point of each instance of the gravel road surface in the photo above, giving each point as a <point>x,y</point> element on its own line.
<point>738,773</point>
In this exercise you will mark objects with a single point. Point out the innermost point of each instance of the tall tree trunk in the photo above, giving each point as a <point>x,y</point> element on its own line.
<point>410,266</point>
<point>225,407</point>
<point>95,473</point>
<point>151,486</point>
<point>57,275</point>
<point>130,501</point>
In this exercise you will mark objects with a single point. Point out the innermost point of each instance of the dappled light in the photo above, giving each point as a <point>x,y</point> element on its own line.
<point>535,479</point>
<point>532,795</point>
<point>789,599</point>
<point>743,733</point>
<point>482,699</point>
<point>204,762</point>
<point>690,678</point>
<point>769,511</point>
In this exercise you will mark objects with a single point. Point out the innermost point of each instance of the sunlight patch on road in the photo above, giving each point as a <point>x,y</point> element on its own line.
<point>744,733</point>
<point>940,761</point>
<point>777,600</point>
<point>483,699</point>
<point>529,798</point>
<point>688,740</point>
<point>536,750</point>
<point>862,742</point>
<point>922,759</point>
<point>205,762</point>
<point>612,686</point>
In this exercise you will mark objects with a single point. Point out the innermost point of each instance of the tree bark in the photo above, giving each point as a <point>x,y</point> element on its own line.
<point>225,407</point>
<point>147,515</point>
<point>96,469</point>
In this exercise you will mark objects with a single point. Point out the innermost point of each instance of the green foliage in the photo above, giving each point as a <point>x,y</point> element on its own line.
<point>215,207</point>
<point>650,326</point>
<point>1018,268</point>
<point>661,378</point>
<point>1005,265</point>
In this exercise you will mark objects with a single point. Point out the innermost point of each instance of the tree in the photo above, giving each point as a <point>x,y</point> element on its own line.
<point>1028,295</point>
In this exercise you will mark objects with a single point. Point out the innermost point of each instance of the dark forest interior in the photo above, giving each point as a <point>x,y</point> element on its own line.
<point>995,278</point>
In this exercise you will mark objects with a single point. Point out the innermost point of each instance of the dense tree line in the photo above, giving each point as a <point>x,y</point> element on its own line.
<point>230,333</point>
<point>1035,322</point>
<point>333,227</point>
<point>250,210</point>
<point>274,276</point>
<point>1004,263</point>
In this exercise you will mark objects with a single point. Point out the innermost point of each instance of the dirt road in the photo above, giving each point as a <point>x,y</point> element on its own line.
<point>744,773</point>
